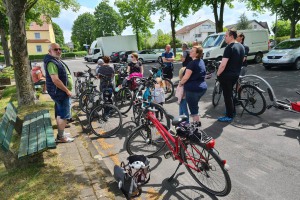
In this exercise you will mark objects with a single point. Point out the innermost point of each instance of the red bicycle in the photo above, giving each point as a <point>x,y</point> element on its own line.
<point>187,144</point>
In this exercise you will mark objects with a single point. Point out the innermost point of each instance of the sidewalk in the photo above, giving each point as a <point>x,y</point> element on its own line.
<point>88,168</point>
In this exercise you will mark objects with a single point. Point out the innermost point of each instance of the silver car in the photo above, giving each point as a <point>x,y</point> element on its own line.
<point>286,53</point>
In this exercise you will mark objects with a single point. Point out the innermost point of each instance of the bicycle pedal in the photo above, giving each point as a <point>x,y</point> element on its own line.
<point>168,154</point>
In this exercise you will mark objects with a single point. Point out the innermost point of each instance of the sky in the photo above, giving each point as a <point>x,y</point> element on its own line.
<point>231,16</point>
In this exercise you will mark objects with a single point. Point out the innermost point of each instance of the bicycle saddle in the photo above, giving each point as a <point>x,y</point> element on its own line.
<point>176,121</point>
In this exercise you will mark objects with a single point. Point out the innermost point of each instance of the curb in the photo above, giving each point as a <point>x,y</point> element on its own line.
<point>111,183</point>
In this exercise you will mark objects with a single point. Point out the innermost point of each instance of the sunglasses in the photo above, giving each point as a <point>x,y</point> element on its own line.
<point>57,49</point>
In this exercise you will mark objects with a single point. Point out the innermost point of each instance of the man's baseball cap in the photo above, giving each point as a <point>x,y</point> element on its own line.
<point>100,61</point>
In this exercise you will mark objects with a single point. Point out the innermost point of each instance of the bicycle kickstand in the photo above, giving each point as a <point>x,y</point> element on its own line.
<point>171,178</point>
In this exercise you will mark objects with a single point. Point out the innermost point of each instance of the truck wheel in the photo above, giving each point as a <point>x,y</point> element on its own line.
<point>258,57</point>
<point>297,64</point>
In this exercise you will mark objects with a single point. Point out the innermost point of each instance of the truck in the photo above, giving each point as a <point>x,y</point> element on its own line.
<point>104,46</point>
<point>257,40</point>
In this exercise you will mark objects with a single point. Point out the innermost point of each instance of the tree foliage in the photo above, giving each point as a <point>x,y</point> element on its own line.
<point>243,23</point>
<point>284,28</point>
<point>176,9</point>
<point>83,30</point>
<point>218,9</point>
<point>285,9</point>
<point>137,14</point>
<point>162,41</point>
<point>107,20</point>
<point>59,34</point>
<point>15,12</point>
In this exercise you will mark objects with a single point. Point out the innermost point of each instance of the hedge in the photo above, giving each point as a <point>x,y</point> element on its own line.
<point>41,56</point>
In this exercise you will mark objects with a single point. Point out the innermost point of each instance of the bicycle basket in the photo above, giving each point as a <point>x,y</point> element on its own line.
<point>296,106</point>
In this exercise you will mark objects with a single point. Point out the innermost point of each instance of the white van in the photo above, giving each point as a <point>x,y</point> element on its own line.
<point>256,40</point>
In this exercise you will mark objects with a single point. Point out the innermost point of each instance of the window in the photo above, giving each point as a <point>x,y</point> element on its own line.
<point>37,35</point>
<point>255,26</point>
<point>38,48</point>
<point>197,35</point>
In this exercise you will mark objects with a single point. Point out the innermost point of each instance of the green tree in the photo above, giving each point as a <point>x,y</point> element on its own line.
<point>15,12</point>
<point>162,40</point>
<point>83,30</point>
<point>107,20</point>
<point>243,23</point>
<point>136,13</point>
<point>283,28</point>
<point>285,9</point>
<point>218,10</point>
<point>176,9</point>
<point>59,34</point>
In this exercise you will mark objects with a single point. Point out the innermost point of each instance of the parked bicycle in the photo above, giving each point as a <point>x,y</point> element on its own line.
<point>187,144</point>
<point>248,94</point>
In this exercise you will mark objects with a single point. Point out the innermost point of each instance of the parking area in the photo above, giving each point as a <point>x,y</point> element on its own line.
<point>262,151</point>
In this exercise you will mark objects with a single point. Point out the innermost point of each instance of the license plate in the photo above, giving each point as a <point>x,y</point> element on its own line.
<point>273,61</point>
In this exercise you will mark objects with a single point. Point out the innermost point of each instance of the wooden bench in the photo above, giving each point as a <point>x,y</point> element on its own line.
<point>36,136</point>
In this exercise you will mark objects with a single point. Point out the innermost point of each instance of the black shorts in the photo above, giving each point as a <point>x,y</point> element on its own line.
<point>168,72</point>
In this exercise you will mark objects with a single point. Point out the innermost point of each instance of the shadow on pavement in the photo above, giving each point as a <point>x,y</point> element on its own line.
<point>175,190</point>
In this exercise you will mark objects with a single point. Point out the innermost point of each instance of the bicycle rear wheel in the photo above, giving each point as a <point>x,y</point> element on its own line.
<point>210,172</point>
<point>145,140</point>
<point>123,100</point>
<point>217,93</point>
<point>170,90</point>
<point>252,100</point>
<point>105,120</point>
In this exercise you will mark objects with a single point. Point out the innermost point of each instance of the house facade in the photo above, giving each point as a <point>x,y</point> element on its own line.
<point>253,24</point>
<point>198,31</point>
<point>39,38</point>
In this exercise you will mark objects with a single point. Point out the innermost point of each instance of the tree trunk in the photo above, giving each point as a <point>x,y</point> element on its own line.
<point>293,28</point>
<point>219,17</point>
<point>5,47</point>
<point>137,38</point>
<point>173,37</point>
<point>15,11</point>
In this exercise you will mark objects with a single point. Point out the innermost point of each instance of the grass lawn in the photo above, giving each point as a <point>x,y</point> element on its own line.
<point>49,180</point>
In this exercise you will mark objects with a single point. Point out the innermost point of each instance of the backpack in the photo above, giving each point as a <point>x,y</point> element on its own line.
<point>132,176</point>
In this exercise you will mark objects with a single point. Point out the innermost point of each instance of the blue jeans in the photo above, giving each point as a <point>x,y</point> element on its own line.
<point>183,109</point>
<point>192,99</point>
<point>63,108</point>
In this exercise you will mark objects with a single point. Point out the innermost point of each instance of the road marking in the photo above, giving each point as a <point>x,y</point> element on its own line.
<point>104,145</point>
<point>152,194</point>
<point>113,156</point>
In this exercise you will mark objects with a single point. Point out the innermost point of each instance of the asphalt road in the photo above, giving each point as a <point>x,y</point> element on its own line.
<point>263,152</point>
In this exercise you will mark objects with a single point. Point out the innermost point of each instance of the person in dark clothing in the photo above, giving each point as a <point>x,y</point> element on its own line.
<point>229,71</point>
<point>241,38</point>
<point>104,72</point>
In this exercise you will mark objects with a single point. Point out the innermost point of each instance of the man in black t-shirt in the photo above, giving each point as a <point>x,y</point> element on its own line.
<point>229,71</point>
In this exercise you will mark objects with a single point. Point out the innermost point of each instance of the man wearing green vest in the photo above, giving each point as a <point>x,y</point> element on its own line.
<point>59,85</point>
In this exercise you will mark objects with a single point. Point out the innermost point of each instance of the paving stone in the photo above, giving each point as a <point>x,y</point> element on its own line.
<point>87,192</point>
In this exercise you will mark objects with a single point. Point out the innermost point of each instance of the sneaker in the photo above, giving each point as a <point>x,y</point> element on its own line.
<point>196,124</point>
<point>225,119</point>
<point>67,135</point>
<point>64,139</point>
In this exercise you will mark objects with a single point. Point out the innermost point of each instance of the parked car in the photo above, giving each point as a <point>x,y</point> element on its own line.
<point>124,55</point>
<point>147,56</point>
<point>115,56</point>
<point>286,53</point>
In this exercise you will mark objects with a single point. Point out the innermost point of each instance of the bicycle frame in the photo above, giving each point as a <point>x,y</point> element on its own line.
<point>174,143</point>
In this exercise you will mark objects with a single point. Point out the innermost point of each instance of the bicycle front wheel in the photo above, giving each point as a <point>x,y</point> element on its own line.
<point>217,93</point>
<point>123,100</point>
<point>209,170</point>
<point>145,140</point>
<point>84,100</point>
<point>170,88</point>
<point>252,100</point>
<point>105,120</point>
